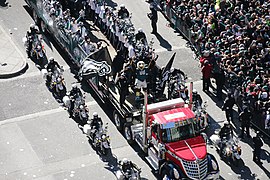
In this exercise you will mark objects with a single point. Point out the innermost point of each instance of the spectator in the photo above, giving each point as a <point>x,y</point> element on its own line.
<point>206,72</point>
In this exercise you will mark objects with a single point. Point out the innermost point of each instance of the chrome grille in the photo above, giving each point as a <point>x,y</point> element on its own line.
<point>196,169</point>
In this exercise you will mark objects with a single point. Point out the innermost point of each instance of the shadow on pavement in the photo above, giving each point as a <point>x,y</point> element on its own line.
<point>163,42</point>
<point>267,173</point>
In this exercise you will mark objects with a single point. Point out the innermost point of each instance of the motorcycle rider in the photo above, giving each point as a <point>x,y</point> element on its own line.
<point>96,123</point>
<point>127,165</point>
<point>226,131</point>
<point>196,98</point>
<point>177,73</point>
<point>123,12</point>
<point>31,35</point>
<point>140,36</point>
<point>228,107</point>
<point>51,66</point>
<point>75,92</point>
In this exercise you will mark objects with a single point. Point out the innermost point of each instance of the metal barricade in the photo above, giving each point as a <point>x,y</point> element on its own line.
<point>182,27</point>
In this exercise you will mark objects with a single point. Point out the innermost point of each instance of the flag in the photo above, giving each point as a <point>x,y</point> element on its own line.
<point>165,73</point>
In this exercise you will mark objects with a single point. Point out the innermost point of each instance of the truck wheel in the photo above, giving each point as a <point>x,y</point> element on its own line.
<point>128,134</point>
<point>43,27</point>
<point>117,120</point>
<point>35,17</point>
<point>163,174</point>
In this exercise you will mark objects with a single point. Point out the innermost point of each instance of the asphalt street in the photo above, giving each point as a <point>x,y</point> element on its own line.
<point>39,141</point>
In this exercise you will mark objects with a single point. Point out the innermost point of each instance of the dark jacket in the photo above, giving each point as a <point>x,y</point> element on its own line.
<point>123,13</point>
<point>154,15</point>
<point>257,142</point>
<point>228,103</point>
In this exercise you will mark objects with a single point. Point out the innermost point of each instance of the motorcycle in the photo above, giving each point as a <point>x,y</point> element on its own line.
<point>79,109</point>
<point>58,87</point>
<point>51,76</point>
<point>37,51</point>
<point>130,174</point>
<point>201,115</point>
<point>228,148</point>
<point>177,89</point>
<point>82,113</point>
<point>100,139</point>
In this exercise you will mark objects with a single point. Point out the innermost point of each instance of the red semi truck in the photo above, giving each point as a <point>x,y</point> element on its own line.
<point>172,146</point>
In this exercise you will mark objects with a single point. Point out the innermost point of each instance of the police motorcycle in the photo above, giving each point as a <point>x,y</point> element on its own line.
<point>55,81</point>
<point>228,147</point>
<point>201,115</point>
<point>80,109</point>
<point>37,51</point>
<point>58,87</point>
<point>100,139</point>
<point>83,113</point>
<point>177,87</point>
<point>130,173</point>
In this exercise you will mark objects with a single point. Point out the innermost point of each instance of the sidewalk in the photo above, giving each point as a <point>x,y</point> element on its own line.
<point>12,61</point>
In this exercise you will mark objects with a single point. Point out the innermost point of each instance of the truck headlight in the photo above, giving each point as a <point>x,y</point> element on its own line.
<point>214,165</point>
<point>176,174</point>
<point>129,119</point>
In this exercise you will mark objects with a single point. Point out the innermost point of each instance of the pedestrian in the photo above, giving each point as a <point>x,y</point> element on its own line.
<point>245,118</point>
<point>220,81</point>
<point>228,107</point>
<point>257,143</point>
<point>206,73</point>
<point>153,16</point>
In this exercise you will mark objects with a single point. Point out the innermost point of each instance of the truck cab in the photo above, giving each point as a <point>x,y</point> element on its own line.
<point>173,146</point>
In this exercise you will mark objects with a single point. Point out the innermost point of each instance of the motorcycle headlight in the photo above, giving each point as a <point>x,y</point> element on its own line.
<point>239,149</point>
<point>228,151</point>
<point>176,173</point>
<point>214,165</point>
<point>129,119</point>
<point>103,136</point>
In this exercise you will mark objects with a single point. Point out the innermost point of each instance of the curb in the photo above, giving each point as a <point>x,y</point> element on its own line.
<point>22,69</point>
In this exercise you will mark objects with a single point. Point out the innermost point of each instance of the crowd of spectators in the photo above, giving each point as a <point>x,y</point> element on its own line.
<point>233,36</point>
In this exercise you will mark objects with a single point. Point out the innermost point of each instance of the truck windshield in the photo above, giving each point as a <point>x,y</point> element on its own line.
<point>178,133</point>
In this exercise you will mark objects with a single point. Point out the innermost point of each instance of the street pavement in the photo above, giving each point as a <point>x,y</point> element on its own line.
<point>12,61</point>
<point>39,141</point>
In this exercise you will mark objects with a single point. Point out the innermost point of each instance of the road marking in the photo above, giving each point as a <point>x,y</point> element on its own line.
<point>39,114</point>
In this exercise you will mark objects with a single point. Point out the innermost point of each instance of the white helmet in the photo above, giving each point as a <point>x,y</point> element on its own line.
<point>140,30</point>
<point>122,6</point>
<point>74,85</point>
<point>95,114</point>
<point>172,69</point>
<point>32,26</point>
<point>125,160</point>
<point>195,91</point>
<point>51,59</point>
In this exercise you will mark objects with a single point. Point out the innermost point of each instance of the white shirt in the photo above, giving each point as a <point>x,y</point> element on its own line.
<point>131,52</point>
